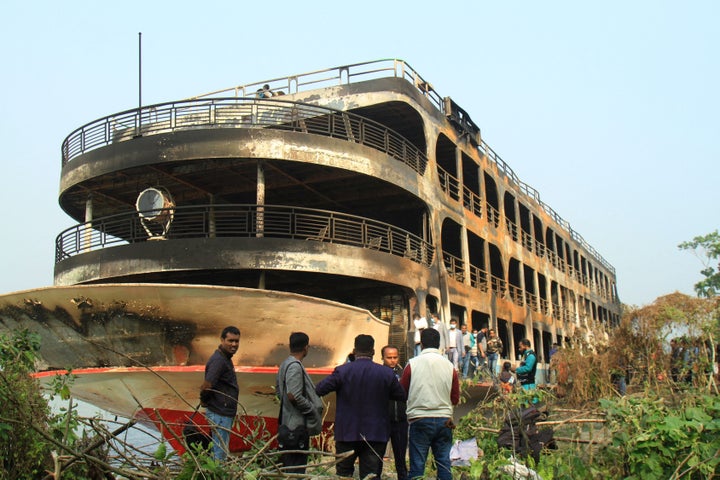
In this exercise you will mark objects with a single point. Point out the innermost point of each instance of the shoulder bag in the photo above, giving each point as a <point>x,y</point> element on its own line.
<point>296,438</point>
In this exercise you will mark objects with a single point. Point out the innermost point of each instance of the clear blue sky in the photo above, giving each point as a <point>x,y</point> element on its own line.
<point>610,110</point>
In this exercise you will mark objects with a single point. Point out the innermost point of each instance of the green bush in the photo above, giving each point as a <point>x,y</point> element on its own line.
<point>645,436</point>
<point>23,450</point>
<point>656,439</point>
<point>29,430</point>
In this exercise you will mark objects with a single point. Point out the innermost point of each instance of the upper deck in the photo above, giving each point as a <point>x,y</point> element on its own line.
<point>317,103</point>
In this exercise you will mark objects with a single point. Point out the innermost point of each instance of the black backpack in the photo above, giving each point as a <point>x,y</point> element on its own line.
<point>194,436</point>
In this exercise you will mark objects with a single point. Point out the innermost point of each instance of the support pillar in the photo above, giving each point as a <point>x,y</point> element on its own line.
<point>260,218</point>
<point>465,249</point>
<point>212,230</point>
<point>87,240</point>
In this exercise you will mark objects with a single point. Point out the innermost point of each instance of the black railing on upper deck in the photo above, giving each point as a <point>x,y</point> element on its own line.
<point>535,195</point>
<point>242,113</point>
<point>343,75</point>
<point>271,221</point>
<point>481,280</point>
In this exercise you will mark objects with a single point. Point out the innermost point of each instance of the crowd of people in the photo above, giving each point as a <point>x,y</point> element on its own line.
<point>411,407</point>
<point>470,352</point>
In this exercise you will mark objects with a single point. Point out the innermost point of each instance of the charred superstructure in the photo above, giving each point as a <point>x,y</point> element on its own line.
<point>359,184</point>
<point>336,202</point>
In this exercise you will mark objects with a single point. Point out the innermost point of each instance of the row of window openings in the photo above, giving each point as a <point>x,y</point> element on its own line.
<point>597,280</point>
<point>479,277</point>
<point>483,281</point>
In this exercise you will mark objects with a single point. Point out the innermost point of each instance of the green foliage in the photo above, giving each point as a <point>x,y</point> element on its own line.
<point>18,352</point>
<point>483,423</point>
<point>658,440</point>
<point>29,431</point>
<point>161,452</point>
<point>200,464</point>
<point>23,450</point>
<point>707,248</point>
<point>60,385</point>
<point>647,436</point>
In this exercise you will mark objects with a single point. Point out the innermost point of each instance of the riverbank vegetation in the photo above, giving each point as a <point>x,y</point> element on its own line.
<point>666,426</point>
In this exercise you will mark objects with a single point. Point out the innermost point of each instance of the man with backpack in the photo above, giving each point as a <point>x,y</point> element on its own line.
<point>300,407</point>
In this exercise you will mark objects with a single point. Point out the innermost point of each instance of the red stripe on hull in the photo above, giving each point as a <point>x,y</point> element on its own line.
<point>246,430</point>
<point>170,369</point>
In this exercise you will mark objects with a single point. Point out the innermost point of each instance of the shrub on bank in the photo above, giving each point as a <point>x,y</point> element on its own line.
<point>642,436</point>
<point>23,449</point>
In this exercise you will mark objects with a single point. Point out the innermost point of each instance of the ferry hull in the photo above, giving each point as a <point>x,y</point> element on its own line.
<point>167,397</point>
<point>139,350</point>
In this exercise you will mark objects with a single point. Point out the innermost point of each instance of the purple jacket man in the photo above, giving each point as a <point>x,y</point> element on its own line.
<point>362,423</point>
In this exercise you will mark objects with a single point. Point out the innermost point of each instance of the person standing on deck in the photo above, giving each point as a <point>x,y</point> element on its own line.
<point>528,365</point>
<point>494,349</point>
<point>474,363</point>
<point>468,343</point>
<point>219,392</point>
<point>440,326</point>
<point>420,324</point>
<point>455,344</point>
<point>481,340</point>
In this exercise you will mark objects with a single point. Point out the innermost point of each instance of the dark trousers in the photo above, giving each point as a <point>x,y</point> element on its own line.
<point>294,459</point>
<point>369,454</point>
<point>399,442</point>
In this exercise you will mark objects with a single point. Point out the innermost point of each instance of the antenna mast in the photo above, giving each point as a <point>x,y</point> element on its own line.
<point>139,71</point>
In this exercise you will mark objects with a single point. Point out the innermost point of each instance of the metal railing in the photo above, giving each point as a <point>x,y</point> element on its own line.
<point>269,221</point>
<point>532,300</point>
<point>485,149</point>
<point>448,183</point>
<point>342,75</point>
<point>526,240</point>
<point>242,113</point>
<point>455,266</point>
<point>498,285</point>
<point>516,295</point>
<point>481,280</point>
<point>472,202</point>
<point>493,214</point>
<point>512,229</point>
<point>478,278</point>
<point>544,306</point>
<point>535,246</point>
